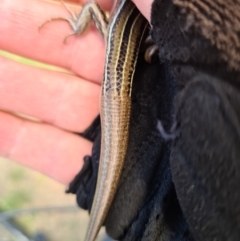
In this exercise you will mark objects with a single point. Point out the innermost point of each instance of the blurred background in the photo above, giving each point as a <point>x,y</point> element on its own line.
<point>34,207</point>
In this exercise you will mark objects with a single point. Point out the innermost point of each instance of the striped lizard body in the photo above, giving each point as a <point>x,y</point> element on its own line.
<point>125,32</point>
<point>123,37</point>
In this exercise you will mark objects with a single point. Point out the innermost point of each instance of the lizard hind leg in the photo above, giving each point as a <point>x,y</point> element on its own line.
<point>72,21</point>
<point>151,50</point>
<point>65,39</point>
<point>80,22</point>
<point>54,19</point>
<point>69,20</point>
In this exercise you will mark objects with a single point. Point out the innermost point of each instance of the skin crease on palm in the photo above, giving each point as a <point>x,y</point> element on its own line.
<point>63,103</point>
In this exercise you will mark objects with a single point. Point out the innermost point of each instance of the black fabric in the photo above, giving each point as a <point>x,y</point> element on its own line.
<point>182,171</point>
<point>205,158</point>
<point>84,183</point>
<point>92,131</point>
<point>205,154</point>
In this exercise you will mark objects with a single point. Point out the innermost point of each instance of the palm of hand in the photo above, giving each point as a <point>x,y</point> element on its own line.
<point>64,103</point>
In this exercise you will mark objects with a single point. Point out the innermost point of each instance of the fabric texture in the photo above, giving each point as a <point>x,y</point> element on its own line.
<point>182,171</point>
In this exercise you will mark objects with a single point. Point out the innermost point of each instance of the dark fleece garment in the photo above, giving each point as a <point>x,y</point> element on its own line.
<point>180,180</point>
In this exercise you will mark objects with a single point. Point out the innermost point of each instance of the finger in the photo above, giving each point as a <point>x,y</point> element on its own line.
<point>61,99</point>
<point>144,7</point>
<point>49,150</point>
<point>19,33</point>
<point>105,4</point>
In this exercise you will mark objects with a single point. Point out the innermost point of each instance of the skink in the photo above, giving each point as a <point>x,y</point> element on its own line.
<point>123,36</point>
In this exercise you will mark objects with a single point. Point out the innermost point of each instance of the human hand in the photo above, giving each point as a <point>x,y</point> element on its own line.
<point>63,102</point>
